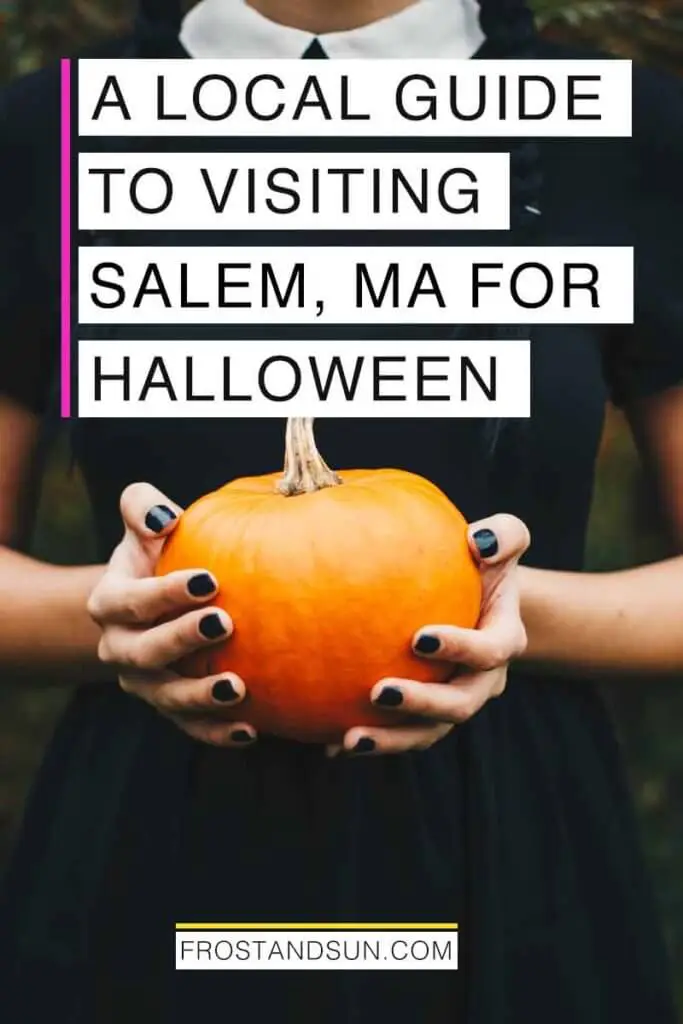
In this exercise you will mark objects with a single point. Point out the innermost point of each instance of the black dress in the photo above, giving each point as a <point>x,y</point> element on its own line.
<point>519,825</point>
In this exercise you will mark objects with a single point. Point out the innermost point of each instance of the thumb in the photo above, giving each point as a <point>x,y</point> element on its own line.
<point>149,516</point>
<point>498,539</point>
<point>147,512</point>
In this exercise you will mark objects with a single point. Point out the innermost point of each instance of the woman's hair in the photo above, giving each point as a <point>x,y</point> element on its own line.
<point>508,26</point>
<point>511,33</point>
<point>158,24</point>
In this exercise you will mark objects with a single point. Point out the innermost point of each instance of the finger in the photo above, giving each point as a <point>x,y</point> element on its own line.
<point>177,696</point>
<point>231,735</point>
<point>454,702</point>
<point>147,512</point>
<point>154,649</point>
<point>123,601</point>
<point>502,639</point>
<point>361,741</point>
<point>498,539</point>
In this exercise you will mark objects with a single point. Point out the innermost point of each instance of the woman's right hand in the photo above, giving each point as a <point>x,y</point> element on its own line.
<point>128,604</point>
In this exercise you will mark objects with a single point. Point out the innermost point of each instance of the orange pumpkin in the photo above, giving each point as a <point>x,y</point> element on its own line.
<point>326,577</point>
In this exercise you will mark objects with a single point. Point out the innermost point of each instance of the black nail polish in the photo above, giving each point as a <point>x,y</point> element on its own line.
<point>159,517</point>
<point>241,736</point>
<point>201,585</point>
<point>427,644</point>
<point>364,746</point>
<point>212,627</point>
<point>389,697</point>
<point>487,543</point>
<point>224,691</point>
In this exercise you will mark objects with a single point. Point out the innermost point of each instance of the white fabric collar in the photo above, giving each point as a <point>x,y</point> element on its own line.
<point>222,29</point>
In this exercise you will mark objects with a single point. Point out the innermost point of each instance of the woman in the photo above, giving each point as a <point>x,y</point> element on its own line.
<point>508,815</point>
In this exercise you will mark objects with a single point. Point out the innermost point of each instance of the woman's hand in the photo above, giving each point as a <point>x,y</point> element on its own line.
<point>128,604</point>
<point>497,544</point>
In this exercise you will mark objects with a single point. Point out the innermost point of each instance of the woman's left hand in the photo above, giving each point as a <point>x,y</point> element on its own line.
<point>484,653</point>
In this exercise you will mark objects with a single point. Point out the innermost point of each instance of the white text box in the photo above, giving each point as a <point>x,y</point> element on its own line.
<point>317,950</point>
<point>364,285</point>
<point>298,191</point>
<point>207,379</point>
<point>381,97</point>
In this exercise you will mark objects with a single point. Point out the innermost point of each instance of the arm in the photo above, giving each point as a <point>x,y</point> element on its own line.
<point>44,625</point>
<point>44,622</point>
<point>49,612</point>
<point>627,621</point>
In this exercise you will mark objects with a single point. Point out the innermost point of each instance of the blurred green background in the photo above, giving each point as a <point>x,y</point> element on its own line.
<point>624,529</point>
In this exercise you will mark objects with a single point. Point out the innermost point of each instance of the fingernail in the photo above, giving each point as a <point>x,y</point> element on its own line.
<point>389,697</point>
<point>364,746</point>
<point>159,517</point>
<point>201,585</point>
<point>224,691</point>
<point>427,644</point>
<point>241,736</point>
<point>211,627</point>
<point>487,543</point>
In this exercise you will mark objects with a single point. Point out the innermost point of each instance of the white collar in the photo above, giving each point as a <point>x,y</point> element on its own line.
<point>222,29</point>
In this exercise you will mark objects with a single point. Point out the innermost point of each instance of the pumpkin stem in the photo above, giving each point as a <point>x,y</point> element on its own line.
<point>305,469</point>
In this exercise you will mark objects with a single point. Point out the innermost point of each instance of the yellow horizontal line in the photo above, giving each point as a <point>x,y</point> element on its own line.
<point>291,927</point>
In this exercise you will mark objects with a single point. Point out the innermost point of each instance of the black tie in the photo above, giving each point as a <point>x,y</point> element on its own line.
<point>314,52</point>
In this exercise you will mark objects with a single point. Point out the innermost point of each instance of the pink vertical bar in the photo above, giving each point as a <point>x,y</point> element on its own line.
<point>66,240</point>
